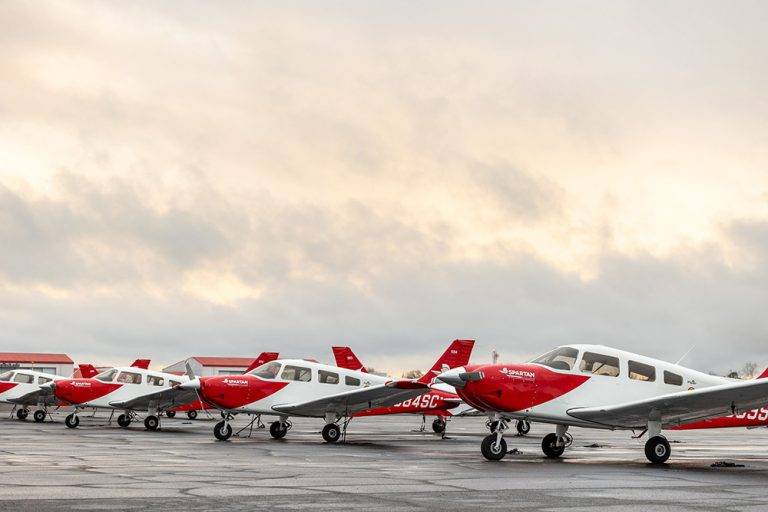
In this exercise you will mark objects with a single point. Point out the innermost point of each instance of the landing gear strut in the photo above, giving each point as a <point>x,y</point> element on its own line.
<point>494,447</point>
<point>657,448</point>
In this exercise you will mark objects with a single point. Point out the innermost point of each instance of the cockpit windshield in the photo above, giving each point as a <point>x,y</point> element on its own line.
<point>267,370</point>
<point>562,358</point>
<point>107,376</point>
<point>5,377</point>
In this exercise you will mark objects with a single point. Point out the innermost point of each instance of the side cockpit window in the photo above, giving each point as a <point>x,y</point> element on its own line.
<point>326,377</point>
<point>641,371</point>
<point>154,380</point>
<point>599,364</point>
<point>351,381</point>
<point>672,379</point>
<point>24,378</point>
<point>562,358</point>
<point>43,380</point>
<point>129,378</point>
<point>298,373</point>
<point>266,371</point>
<point>107,376</point>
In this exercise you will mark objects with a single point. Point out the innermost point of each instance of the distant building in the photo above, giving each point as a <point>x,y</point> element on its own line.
<point>207,366</point>
<point>55,364</point>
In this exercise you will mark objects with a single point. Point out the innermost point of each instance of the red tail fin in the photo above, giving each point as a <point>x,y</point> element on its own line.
<point>457,355</point>
<point>264,357</point>
<point>763,375</point>
<point>87,371</point>
<point>347,359</point>
<point>141,363</point>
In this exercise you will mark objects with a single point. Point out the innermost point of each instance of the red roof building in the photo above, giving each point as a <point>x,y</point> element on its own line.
<point>56,364</point>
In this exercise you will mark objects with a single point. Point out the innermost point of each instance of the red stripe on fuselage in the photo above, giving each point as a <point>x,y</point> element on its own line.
<point>234,392</point>
<point>517,387</point>
<point>433,403</point>
<point>5,386</point>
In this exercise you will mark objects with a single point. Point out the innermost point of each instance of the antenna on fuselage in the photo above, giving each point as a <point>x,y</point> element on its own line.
<point>688,352</point>
<point>494,356</point>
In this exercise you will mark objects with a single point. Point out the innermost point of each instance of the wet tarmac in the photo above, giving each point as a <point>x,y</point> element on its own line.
<point>383,466</point>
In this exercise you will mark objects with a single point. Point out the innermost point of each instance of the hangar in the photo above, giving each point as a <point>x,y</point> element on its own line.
<point>209,366</point>
<point>55,364</point>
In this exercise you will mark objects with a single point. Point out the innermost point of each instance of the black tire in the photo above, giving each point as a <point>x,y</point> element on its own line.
<point>490,451</point>
<point>124,420</point>
<point>523,427</point>
<point>192,415</point>
<point>438,426</point>
<point>222,431</point>
<point>22,414</point>
<point>278,430</point>
<point>72,421</point>
<point>151,422</point>
<point>550,448</point>
<point>39,416</point>
<point>170,414</point>
<point>331,432</point>
<point>492,426</point>
<point>657,450</point>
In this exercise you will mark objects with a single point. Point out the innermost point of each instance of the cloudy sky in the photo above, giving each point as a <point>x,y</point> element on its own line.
<point>225,178</point>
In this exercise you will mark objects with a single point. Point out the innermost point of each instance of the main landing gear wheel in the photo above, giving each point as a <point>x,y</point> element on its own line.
<point>550,447</point>
<point>39,416</point>
<point>278,430</point>
<point>124,420</point>
<point>72,421</point>
<point>331,432</point>
<point>523,427</point>
<point>438,426</point>
<point>491,450</point>
<point>192,414</point>
<point>22,414</point>
<point>222,431</point>
<point>151,422</point>
<point>170,414</point>
<point>657,450</point>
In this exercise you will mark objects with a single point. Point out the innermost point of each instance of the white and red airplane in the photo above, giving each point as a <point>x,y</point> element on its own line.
<point>22,389</point>
<point>439,401</point>
<point>198,405</point>
<point>129,388</point>
<point>296,387</point>
<point>593,386</point>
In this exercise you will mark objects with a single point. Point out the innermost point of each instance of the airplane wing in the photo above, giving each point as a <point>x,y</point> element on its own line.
<point>681,407</point>
<point>165,398</point>
<point>356,400</point>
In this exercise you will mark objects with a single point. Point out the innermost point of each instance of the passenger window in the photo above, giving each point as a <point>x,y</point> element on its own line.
<point>174,383</point>
<point>298,373</point>
<point>327,377</point>
<point>154,380</point>
<point>43,380</point>
<point>266,371</point>
<point>107,376</point>
<point>5,377</point>
<point>129,378</point>
<point>24,378</point>
<point>351,381</point>
<point>562,358</point>
<point>672,379</point>
<point>599,364</point>
<point>640,371</point>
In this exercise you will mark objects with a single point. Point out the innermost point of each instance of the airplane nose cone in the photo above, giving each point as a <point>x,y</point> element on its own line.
<point>453,378</point>
<point>192,384</point>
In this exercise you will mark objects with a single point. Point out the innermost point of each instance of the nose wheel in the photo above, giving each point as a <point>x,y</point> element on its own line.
<point>192,415</point>
<point>494,447</point>
<point>438,425</point>
<point>222,431</point>
<point>523,427</point>
<point>72,421</point>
